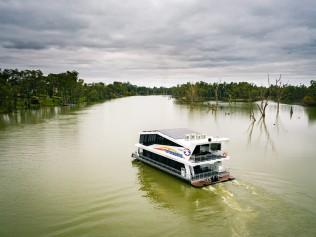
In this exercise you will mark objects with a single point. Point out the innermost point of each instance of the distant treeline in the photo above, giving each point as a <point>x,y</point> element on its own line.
<point>243,91</point>
<point>30,88</point>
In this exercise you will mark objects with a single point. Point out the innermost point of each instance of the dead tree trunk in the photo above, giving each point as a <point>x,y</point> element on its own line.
<point>216,93</point>
<point>262,107</point>
<point>264,100</point>
<point>279,91</point>
<point>191,93</point>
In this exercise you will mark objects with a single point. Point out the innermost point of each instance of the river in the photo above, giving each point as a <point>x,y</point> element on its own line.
<point>68,172</point>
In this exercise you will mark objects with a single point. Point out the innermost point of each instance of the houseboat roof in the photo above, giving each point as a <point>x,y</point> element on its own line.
<point>176,133</point>
<point>186,136</point>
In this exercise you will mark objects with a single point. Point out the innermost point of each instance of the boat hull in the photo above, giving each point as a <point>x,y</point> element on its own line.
<point>195,183</point>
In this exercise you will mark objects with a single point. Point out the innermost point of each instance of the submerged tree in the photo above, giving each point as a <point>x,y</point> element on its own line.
<point>192,93</point>
<point>278,91</point>
<point>264,98</point>
<point>263,103</point>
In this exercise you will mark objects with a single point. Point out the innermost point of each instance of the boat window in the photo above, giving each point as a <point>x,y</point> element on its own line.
<point>150,139</point>
<point>201,149</point>
<point>164,141</point>
<point>163,160</point>
<point>216,146</point>
<point>196,150</point>
<point>205,148</point>
<point>198,169</point>
<point>141,139</point>
<point>145,139</point>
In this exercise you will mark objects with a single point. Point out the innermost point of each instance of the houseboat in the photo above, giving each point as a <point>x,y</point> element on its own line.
<point>186,154</point>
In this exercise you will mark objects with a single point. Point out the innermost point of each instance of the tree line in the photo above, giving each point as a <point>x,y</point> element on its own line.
<point>31,88</point>
<point>244,91</point>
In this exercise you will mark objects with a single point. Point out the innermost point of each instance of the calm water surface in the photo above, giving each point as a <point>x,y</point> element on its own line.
<point>68,172</point>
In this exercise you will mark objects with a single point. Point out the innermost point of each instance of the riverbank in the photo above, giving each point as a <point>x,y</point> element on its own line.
<point>30,89</point>
<point>245,92</point>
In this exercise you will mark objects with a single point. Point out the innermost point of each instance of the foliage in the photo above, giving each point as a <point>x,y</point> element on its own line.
<point>244,91</point>
<point>31,88</point>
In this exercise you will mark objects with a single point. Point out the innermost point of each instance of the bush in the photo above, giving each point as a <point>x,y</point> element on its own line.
<point>309,100</point>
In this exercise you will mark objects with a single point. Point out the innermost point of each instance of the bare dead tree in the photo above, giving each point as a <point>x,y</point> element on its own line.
<point>216,93</point>
<point>250,99</point>
<point>291,112</point>
<point>192,93</point>
<point>229,99</point>
<point>279,91</point>
<point>263,104</point>
<point>264,100</point>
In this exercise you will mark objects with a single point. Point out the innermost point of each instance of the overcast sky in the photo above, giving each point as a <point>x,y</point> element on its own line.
<point>162,42</point>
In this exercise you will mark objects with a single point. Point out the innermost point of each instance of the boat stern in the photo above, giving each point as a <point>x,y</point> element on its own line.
<point>222,177</point>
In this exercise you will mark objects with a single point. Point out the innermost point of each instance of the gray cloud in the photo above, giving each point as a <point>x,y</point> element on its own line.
<point>163,41</point>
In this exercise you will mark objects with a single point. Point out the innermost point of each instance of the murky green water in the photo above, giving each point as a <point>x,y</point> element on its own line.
<point>68,172</point>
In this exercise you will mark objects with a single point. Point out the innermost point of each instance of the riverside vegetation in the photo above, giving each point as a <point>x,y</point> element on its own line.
<point>31,88</point>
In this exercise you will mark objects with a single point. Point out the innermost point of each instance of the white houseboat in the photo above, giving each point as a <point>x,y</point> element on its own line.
<point>189,155</point>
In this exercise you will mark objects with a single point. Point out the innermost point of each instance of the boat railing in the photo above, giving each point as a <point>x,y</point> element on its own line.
<point>205,175</point>
<point>206,157</point>
<point>210,174</point>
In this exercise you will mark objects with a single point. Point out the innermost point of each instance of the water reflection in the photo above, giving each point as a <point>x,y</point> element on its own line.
<point>34,116</point>
<point>311,113</point>
<point>228,209</point>
<point>234,108</point>
<point>169,192</point>
<point>262,128</point>
<point>212,207</point>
